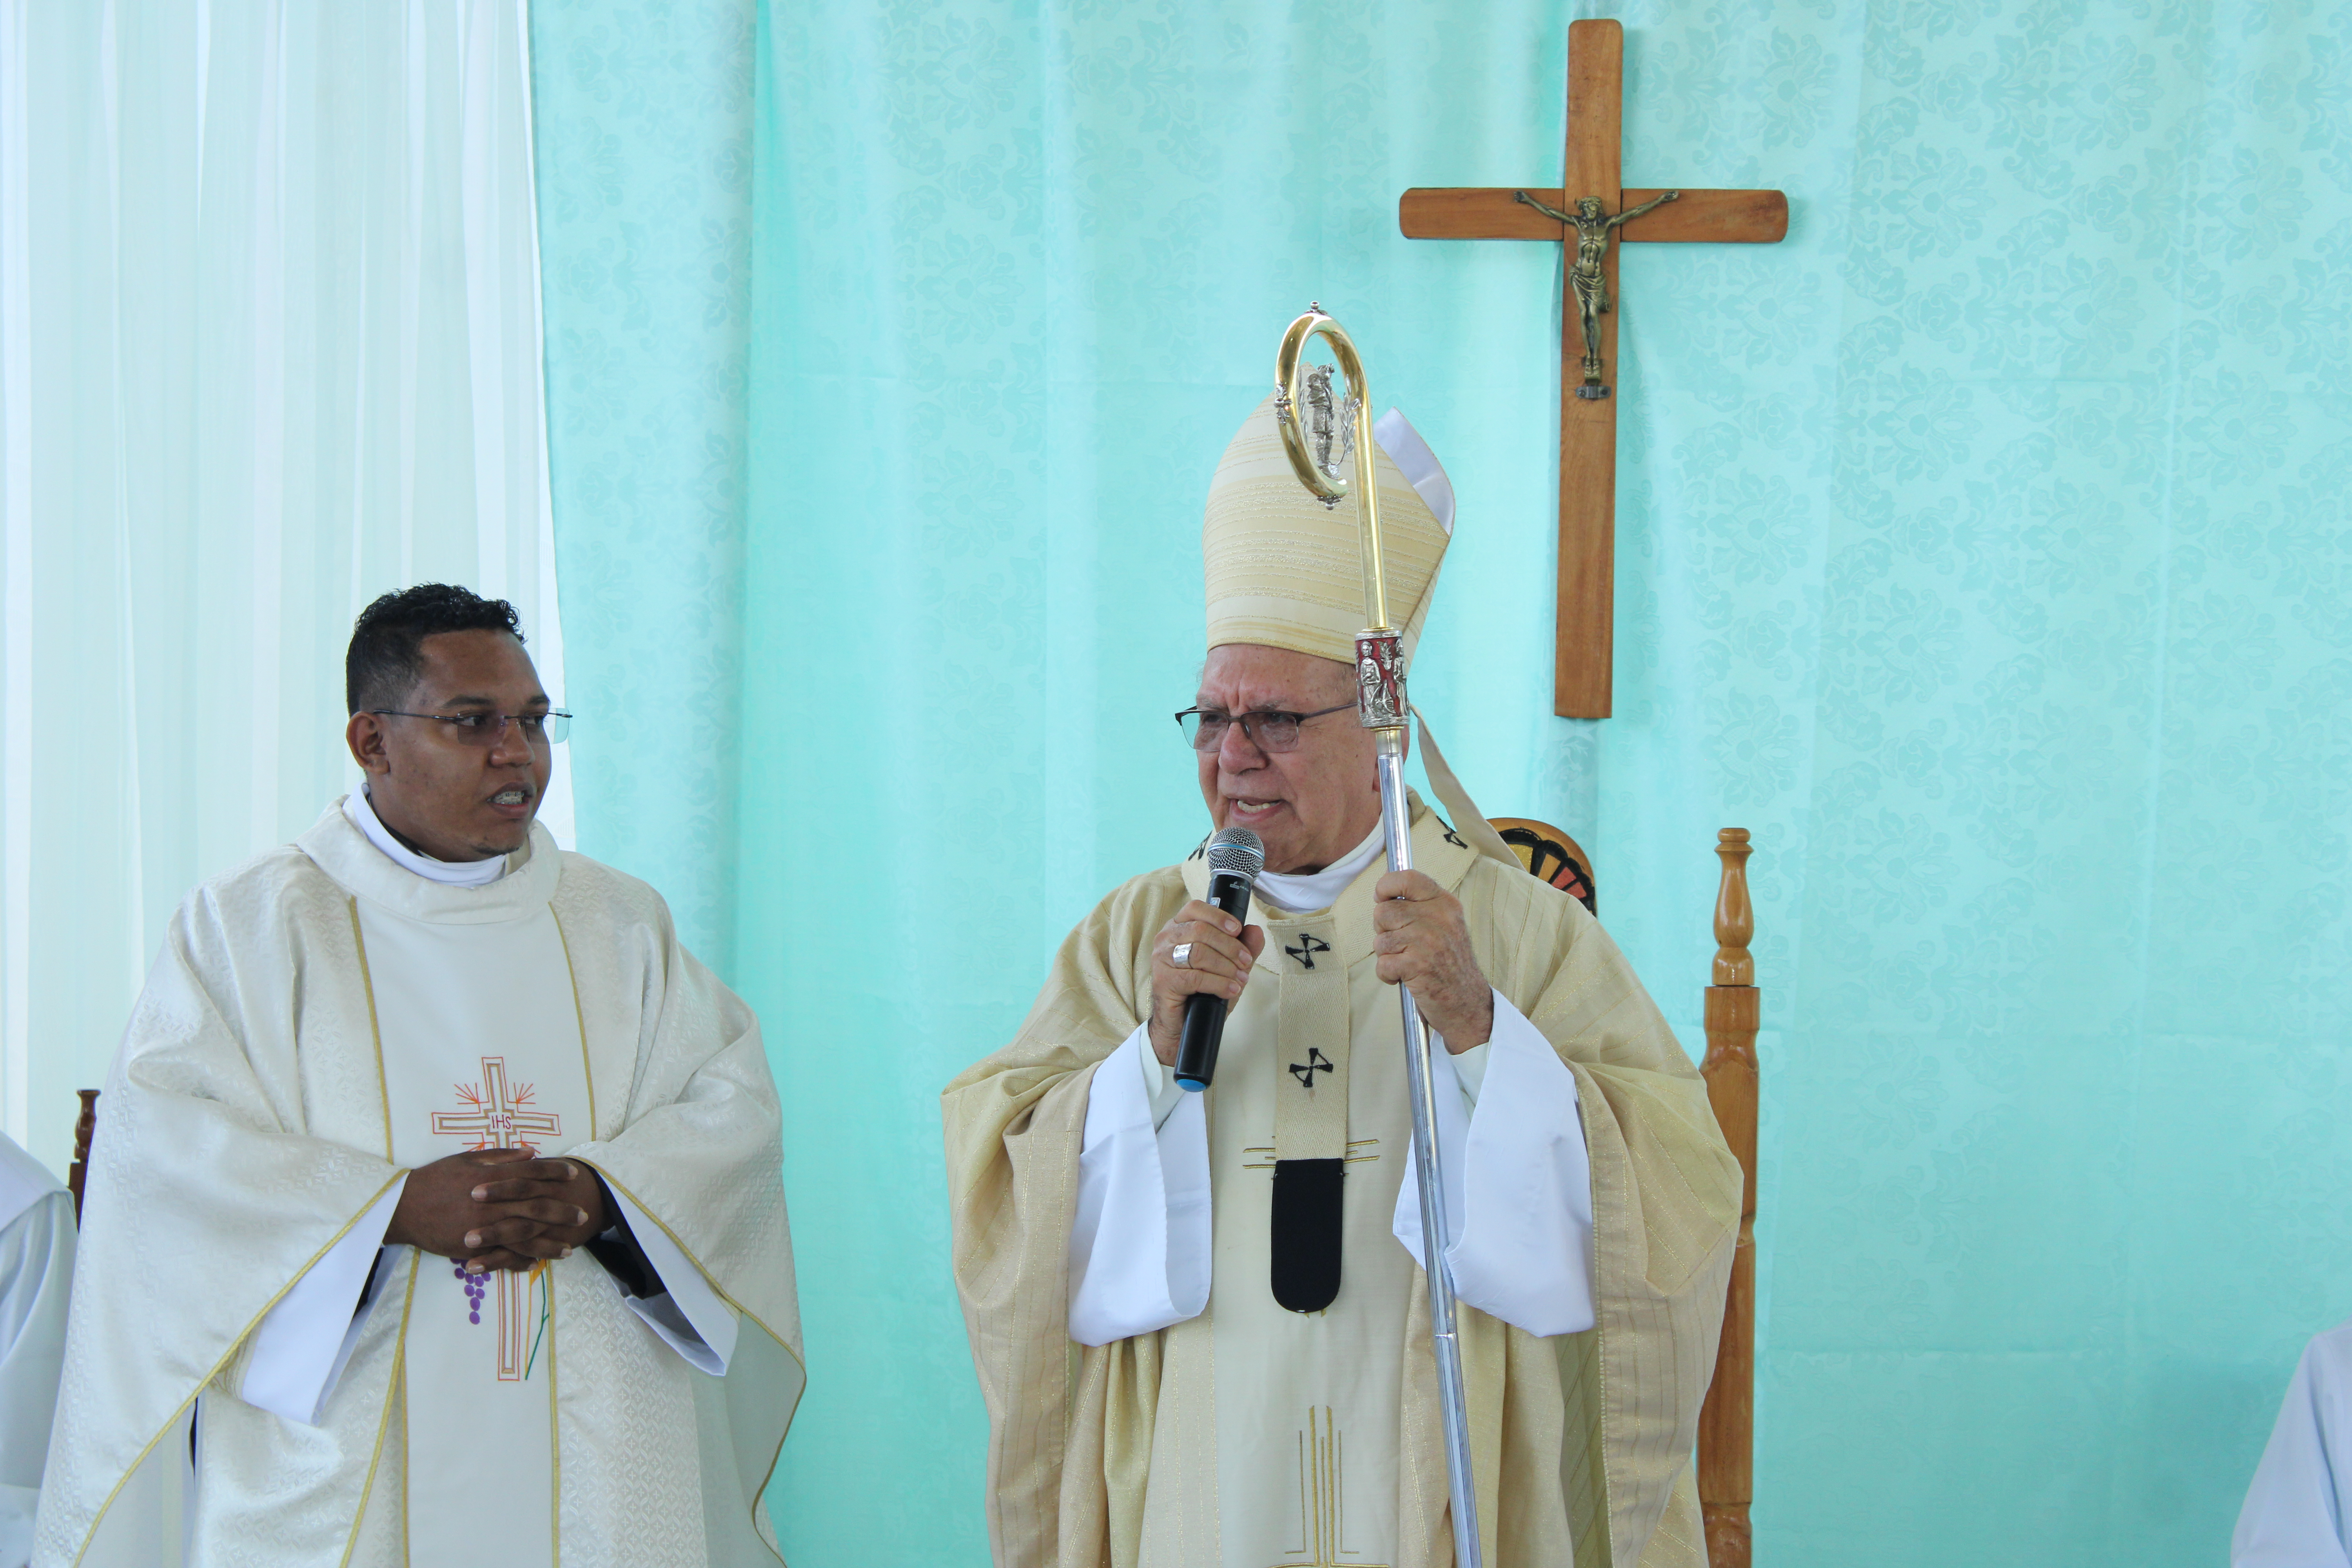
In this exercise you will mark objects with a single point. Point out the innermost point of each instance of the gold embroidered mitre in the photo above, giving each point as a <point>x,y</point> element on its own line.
<point>1287,572</point>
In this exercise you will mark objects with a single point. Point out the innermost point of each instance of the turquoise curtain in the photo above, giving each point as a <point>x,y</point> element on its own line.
<point>1982,548</point>
<point>644,116</point>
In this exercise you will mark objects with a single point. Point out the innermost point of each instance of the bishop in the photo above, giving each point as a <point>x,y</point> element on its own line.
<point>1199,1318</point>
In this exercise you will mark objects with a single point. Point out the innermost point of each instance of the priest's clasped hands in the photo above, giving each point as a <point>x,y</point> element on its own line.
<point>1422,942</point>
<point>498,1208</point>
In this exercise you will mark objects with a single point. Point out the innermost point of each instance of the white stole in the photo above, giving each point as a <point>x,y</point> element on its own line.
<point>482,1048</point>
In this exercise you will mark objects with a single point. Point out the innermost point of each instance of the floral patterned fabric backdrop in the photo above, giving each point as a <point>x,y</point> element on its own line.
<point>1983,548</point>
<point>644,165</point>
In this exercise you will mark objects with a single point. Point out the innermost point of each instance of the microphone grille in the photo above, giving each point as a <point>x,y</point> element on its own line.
<point>1237,850</point>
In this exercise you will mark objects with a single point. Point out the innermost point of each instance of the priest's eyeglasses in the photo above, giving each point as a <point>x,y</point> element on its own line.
<point>1204,728</point>
<point>486,730</point>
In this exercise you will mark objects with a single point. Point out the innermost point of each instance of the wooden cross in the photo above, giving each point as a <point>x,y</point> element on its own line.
<point>1588,421</point>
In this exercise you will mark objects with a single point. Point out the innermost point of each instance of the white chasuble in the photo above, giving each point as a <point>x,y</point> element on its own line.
<point>319,1022</point>
<point>482,1049</point>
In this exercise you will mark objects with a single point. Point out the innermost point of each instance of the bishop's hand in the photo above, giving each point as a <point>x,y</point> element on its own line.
<point>1216,951</point>
<point>497,1208</point>
<point>1423,943</point>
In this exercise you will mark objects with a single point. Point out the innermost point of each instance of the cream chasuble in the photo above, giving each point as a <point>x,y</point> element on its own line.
<point>1253,1436</point>
<point>318,1022</point>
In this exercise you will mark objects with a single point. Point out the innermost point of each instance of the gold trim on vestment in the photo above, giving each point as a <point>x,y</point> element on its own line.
<point>580,1014</point>
<point>407,1432</point>
<point>1352,1157</point>
<point>554,1410</point>
<point>1322,1498</point>
<point>392,1390</point>
<point>719,1290</point>
<point>1611,1442</point>
<point>205,1382</point>
<point>375,1033</point>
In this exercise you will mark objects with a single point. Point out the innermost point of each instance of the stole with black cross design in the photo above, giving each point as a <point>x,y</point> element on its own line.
<point>1311,1120</point>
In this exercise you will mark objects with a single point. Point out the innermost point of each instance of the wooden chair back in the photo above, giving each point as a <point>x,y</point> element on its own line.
<point>1726,1419</point>
<point>85,1129</point>
<point>1549,852</point>
<point>1727,1422</point>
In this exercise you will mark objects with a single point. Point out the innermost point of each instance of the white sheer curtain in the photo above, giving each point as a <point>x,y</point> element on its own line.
<point>270,346</point>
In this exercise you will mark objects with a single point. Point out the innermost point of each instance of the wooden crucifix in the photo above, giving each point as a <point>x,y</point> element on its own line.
<point>1588,411</point>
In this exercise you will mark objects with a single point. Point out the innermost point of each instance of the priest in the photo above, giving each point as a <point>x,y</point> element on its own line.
<point>1169,1381</point>
<point>434,1212</point>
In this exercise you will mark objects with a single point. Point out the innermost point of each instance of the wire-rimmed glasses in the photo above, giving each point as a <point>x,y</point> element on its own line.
<point>486,730</point>
<point>1271,731</point>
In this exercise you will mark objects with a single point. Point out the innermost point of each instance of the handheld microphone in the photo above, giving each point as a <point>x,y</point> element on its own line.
<point>1235,857</point>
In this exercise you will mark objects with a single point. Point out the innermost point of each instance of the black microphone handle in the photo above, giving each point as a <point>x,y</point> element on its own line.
<point>1205,1031</point>
<point>1204,1016</point>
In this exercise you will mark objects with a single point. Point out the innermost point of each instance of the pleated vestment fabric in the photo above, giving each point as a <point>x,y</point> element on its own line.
<point>1581,1438</point>
<point>245,1128</point>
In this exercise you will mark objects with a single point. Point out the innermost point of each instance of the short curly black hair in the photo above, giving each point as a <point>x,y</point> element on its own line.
<point>385,658</point>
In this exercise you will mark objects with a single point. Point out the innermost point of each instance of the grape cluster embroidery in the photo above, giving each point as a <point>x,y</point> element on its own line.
<point>476,1285</point>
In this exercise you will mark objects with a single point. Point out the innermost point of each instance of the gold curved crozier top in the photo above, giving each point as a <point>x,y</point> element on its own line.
<point>1289,384</point>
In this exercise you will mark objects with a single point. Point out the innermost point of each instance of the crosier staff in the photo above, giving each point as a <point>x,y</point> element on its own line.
<point>1380,708</point>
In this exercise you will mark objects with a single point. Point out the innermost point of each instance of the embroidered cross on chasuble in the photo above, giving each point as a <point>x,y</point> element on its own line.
<point>500,1116</point>
<point>479,1030</point>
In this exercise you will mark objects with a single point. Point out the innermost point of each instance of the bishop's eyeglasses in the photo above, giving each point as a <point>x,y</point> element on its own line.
<point>1204,728</point>
<point>486,730</point>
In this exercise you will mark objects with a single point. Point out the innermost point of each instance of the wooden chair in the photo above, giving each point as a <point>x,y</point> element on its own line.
<point>1726,1419</point>
<point>85,1129</point>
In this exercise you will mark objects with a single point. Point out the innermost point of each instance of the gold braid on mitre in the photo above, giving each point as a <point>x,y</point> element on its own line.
<point>1286,571</point>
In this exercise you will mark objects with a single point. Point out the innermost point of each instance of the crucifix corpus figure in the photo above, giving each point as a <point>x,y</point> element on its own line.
<point>1594,203</point>
<point>1587,278</point>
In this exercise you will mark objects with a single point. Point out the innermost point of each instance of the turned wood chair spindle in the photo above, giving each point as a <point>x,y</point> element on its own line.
<point>1727,1422</point>
<point>85,1129</point>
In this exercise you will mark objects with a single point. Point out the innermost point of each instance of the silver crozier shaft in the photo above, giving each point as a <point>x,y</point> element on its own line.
<point>1381,708</point>
<point>1433,1229</point>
